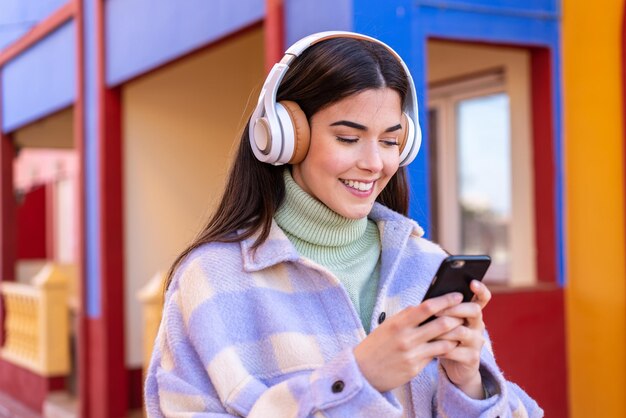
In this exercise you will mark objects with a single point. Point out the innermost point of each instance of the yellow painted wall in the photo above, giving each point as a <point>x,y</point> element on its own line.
<point>596,291</point>
<point>179,127</point>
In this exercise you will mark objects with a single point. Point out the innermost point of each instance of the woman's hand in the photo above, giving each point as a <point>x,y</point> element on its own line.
<point>461,363</point>
<point>398,350</point>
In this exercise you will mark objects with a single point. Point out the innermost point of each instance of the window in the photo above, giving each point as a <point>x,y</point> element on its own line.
<point>481,164</point>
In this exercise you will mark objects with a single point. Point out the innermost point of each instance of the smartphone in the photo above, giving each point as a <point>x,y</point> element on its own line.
<point>455,275</point>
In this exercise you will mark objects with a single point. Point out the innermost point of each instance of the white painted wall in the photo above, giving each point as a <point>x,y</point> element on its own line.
<point>180,125</point>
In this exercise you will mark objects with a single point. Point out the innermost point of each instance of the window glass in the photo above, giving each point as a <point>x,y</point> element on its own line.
<point>484,177</point>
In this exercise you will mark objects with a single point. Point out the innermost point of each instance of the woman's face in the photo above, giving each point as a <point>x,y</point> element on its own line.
<point>354,151</point>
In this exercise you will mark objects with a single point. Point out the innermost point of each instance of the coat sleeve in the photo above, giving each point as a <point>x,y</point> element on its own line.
<point>183,381</point>
<point>506,400</point>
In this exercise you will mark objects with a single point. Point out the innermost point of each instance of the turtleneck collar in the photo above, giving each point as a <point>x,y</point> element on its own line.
<point>308,219</point>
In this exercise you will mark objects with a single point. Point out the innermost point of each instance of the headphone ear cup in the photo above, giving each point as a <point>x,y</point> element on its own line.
<point>301,130</point>
<point>407,143</point>
<point>404,139</point>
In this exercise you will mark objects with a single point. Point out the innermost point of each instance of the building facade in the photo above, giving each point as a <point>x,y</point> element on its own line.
<point>118,121</point>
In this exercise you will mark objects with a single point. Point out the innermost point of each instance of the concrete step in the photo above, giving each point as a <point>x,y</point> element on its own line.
<point>60,405</point>
<point>10,408</point>
<point>64,405</point>
<point>57,405</point>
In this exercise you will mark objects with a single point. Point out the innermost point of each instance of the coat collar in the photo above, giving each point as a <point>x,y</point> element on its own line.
<point>274,250</point>
<point>394,228</point>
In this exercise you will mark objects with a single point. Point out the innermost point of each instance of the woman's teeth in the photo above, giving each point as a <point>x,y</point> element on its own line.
<point>363,187</point>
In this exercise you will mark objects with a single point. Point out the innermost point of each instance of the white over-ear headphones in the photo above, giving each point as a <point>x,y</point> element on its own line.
<point>279,132</point>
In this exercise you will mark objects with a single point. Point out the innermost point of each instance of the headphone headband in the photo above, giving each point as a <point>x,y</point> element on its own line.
<point>262,134</point>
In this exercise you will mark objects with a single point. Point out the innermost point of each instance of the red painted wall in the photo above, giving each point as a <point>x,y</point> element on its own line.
<point>543,157</point>
<point>135,388</point>
<point>27,387</point>
<point>527,329</point>
<point>31,224</point>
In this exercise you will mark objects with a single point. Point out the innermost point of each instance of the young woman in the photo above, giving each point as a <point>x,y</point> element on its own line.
<point>302,295</point>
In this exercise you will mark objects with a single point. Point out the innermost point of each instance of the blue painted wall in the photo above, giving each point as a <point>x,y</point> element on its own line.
<point>530,8</point>
<point>18,16</point>
<point>303,17</point>
<point>144,34</point>
<point>93,216</point>
<point>489,27</point>
<point>41,80</point>
<point>406,26</point>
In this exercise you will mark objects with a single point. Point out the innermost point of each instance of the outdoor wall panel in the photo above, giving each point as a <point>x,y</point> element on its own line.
<point>18,16</point>
<point>142,35</point>
<point>303,17</point>
<point>522,7</point>
<point>392,23</point>
<point>486,27</point>
<point>593,76</point>
<point>41,80</point>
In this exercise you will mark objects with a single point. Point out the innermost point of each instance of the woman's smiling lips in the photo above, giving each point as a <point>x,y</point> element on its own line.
<point>358,187</point>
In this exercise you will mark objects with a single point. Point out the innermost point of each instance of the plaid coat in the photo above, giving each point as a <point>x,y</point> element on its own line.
<point>268,333</point>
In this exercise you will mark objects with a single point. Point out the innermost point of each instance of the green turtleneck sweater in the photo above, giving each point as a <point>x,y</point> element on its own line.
<point>349,248</point>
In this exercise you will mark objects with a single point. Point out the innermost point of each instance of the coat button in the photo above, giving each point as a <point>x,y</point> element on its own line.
<point>381,317</point>
<point>338,386</point>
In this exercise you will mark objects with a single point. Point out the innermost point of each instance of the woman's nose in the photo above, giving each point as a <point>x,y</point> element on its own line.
<point>370,158</point>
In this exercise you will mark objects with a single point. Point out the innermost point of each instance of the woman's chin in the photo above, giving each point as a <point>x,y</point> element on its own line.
<point>354,212</point>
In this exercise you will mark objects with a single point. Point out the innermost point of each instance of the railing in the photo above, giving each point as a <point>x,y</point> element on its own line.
<point>151,297</point>
<point>37,322</point>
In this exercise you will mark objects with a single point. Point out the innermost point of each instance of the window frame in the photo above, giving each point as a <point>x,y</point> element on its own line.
<point>444,97</point>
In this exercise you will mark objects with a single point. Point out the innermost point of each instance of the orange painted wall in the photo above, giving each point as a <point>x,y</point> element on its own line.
<point>594,166</point>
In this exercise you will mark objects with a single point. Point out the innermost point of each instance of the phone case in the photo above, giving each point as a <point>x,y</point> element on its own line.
<point>455,275</point>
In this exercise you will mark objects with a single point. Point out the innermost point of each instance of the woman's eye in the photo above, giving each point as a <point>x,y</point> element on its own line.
<point>348,140</point>
<point>390,142</point>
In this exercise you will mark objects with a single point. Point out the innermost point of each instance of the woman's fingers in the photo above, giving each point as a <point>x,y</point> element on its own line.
<point>462,363</point>
<point>482,295</point>
<point>463,310</point>
<point>464,355</point>
<point>437,348</point>
<point>470,311</point>
<point>396,351</point>
<point>436,328</point>
<point>415,315</point>
<point>465,336</point>
<point>399,349</point>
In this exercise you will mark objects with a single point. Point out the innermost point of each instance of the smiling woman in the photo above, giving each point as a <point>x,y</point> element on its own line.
<point>302,295</point>
<point>349,163</point>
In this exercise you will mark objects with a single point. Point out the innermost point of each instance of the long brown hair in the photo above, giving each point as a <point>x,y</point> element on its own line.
<point>324,74</point>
